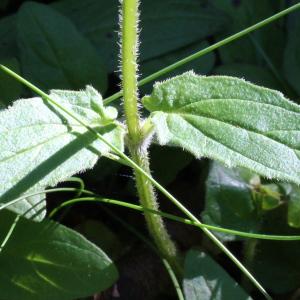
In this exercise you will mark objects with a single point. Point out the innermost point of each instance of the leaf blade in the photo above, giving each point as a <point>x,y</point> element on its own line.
<point>229,202</point>
<point>230,120</point>
<point>205,279</point>
<point>42,146</point>
<point>46,260</point>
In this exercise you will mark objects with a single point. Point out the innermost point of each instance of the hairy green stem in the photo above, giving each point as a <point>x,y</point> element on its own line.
<point>154,221</point>
<point>136,147</point>
<point>129,67</point>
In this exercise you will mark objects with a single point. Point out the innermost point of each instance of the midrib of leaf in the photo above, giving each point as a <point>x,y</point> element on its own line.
<point>34,146</point>
<point>228,124</point>
<point>228,147</point>
<point>46,262</point>
<point>45,141</point>
<point>185,116</point>
<point>92,124</point>
<point>63,243</point>
<point>66,267</point>
<point>21,285</point>
<point>8,130</point>
<point>282,130</point>
<point>234,99</point>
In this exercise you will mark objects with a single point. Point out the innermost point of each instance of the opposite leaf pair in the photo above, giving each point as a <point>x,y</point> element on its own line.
<point>223,118</point>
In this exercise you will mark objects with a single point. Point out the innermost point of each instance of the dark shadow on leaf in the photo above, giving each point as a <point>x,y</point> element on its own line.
<point>82,141</point>
<point>63,119</point>
<point>37,208</point>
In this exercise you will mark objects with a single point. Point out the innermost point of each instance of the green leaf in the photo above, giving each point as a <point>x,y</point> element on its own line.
<point>102,236</point>
<point>230,120</point>
<point>48,261</point>
<point>229,202</point>
<point>269,196</point>
<point>68,59</point>
<point>10,89</point>
<point>42,146</point>
<point>292,53</point>
<point>204,279</point>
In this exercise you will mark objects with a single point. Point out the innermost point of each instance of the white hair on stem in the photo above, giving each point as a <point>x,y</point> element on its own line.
<point>136,46</point>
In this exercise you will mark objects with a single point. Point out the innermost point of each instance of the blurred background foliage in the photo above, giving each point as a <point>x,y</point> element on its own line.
<point>70,43</point>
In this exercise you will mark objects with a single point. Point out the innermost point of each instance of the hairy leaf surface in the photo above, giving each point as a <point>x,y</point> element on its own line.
<point>204,279</point>
<point>48,261</point>
<point>230,120</point>
<point>41,145</point>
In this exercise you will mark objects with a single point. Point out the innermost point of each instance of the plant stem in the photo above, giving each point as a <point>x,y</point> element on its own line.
<point>129,67</point>
<point>136,144</point>
<point>154,222</point>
